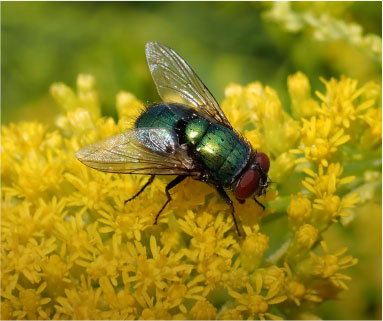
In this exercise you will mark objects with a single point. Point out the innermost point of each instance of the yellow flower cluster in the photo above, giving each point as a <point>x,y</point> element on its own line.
<point>71,249</point>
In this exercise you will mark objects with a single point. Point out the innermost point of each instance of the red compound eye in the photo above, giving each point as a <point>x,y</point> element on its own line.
<point>247,185</point>
<point>263,160</point>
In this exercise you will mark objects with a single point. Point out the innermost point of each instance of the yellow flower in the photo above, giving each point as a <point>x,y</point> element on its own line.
<point>324,182</point>
<point>299,210</point>
<point>320,140</point>
<point>339,104</point>
<point>211,249</point>
<point>333,206</point>
<point>329,265</point>
<point>29,303</point>
<point>273,277</point>
<point>6,312</point>
<point>82,302</point>
<point>155,313</point>
<point>297,291</point>
<point>236,95</point>
<point>302,104</point>
<point>128,108</point>
<point>230,314</point>
<point>72,249</point>
<point>304,238</point>
<point>203,310</point>
<point>122,303</point>
<point>372,136</point>
<point>155,272</point>
<point>253,248</point>
<point>85,97</point>
<point>253,304</point>
<point>56,274</point>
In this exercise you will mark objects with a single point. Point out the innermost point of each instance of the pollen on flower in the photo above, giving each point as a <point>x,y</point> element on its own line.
<point>297,291</point>
<point>340,102</point>
<point>325,183</point>
<point>320,139</point>
<point>299,210</point>
<point>306,236</point>
<point>329,265</point>
<point>203,310</point>
<point>332,206</point>
<point>253,248</point>
<point>64,96</point>
<point>372,135</point>
<point>273,277</point>
<point>254,305</point>
<point>72,249</point>
<point>303,240</point>
<point>302,104</point>
<point>230,314</point>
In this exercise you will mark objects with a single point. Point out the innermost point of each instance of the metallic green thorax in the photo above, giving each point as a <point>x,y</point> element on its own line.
<point>215,147</point>
<point>218,148</point>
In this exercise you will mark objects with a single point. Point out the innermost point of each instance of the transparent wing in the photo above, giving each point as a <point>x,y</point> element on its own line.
<point>177,82</point>
<point>139,151</point>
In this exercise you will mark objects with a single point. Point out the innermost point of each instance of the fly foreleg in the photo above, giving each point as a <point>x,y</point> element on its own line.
<point>259,203</point>
<point>151,179</point>
<point>229,202</point>
<point>168,187</point>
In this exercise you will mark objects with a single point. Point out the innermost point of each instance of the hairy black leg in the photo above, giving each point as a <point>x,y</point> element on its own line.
<point>168,187</point>
<point>151,179</point>
<point>259,203</point>
<point>229,202</point>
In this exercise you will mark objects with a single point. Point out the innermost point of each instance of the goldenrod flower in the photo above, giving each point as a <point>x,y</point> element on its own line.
<point>328,265</point>
<point>230,314</point>
<point>202,310</point>
<point>320,140</point>
<point>253,248</point>
<point>273,277</point>
<point>71,249</point>
<point>253,304</point>
<point>325,182</point>
<point>302,104</point>
<point>299,210</point>
<point>340,103</point>
<point>30,303</point>
<point>303,240</point>
<point>297,291</point>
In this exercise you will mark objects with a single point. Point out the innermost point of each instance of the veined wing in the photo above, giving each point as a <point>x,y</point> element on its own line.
<point>177,82</point>
<point>140,151</point>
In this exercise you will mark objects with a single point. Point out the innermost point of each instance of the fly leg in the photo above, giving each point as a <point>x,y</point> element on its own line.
<point>229,202</point>
<point>150,180</point>
<point>259,203</point>
<point>168,187</point>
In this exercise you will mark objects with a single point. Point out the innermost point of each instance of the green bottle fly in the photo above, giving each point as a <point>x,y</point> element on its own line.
<point>187,135</point>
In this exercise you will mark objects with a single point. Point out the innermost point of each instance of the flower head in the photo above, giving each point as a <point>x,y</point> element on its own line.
<point>255,305</point>
<point>72,248</point>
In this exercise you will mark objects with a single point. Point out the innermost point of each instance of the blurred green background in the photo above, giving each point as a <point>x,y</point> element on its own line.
<point>224,42</point>
<point>46,42</point>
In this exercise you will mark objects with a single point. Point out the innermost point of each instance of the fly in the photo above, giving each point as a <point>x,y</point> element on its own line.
<point>187,135</point>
